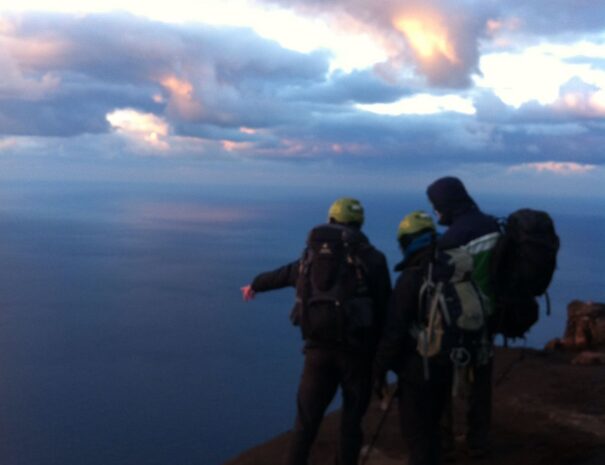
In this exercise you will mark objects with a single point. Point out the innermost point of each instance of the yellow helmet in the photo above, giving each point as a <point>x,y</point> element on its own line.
<point>346,210</point>
<point>415,222</point>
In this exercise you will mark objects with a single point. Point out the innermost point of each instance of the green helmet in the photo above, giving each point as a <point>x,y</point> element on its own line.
<point>415,222</point>
<point>346,210</point>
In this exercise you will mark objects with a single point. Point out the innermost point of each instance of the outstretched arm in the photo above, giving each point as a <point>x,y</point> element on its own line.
<point>284,276</point>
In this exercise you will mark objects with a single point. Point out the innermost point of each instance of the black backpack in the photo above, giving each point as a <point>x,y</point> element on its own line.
<point>522,266</point>
<point>333,304</point>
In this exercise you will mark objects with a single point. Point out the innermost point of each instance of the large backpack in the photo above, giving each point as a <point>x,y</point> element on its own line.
<point>522,266</point>
<point>333,302</point>
<point>453,311</point>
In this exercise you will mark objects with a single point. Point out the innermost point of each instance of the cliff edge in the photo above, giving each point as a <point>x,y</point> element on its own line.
<point>546,410</point>
<point>548,407</point>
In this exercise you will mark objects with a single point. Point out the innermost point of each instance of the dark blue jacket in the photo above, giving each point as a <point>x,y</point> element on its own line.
<point>460,212</point>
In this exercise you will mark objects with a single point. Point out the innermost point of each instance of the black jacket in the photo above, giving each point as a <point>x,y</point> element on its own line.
<point>397,344</point>
<point>377,271</point>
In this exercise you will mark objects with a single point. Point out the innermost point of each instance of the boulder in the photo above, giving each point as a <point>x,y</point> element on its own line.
<point>585,328</point>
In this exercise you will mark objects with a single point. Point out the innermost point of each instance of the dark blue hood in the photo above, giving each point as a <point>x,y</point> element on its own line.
<point>450,198</point>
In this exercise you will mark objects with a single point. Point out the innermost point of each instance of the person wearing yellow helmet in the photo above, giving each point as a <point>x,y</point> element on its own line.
<point>342,289</point>
<point>421,400</point>
<point>347,211</point>
<point>415,231</point>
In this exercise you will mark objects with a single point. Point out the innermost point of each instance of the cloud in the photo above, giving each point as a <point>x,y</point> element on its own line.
<point>578,104</point>
<point>352,87</point>
<point>7,143</point>
<point>181,101</point>
<point>423,104</point>
<point>198,74</point>
<point>581,100</point>
<point>198,92</point>
<point>442,39</point>
<point>438,39</point>
<point>15,84</point>
<point>142,128</point>
<point>562,168</point>
<point>15,54</point>
<point>557,17</point>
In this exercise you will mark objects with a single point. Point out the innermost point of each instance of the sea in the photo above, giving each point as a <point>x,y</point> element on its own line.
<point>124,339</point>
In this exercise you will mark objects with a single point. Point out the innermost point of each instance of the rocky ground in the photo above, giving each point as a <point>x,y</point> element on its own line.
<point>546,411</point>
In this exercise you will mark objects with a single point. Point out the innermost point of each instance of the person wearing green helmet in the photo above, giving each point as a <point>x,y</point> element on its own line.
<point>347,211</point>
<point>421,400</point>
<point>342,289</point>
<point>415,231</point>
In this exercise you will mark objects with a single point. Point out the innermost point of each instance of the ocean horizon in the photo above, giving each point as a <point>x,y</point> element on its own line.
<point>123,336</point>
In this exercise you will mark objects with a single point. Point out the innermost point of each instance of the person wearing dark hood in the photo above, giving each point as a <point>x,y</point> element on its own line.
<point>421,399</point>
<point>342,289</point>
<point>478,232</point>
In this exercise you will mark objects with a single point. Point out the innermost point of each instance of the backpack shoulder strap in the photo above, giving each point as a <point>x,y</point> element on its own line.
<point>483,243</point>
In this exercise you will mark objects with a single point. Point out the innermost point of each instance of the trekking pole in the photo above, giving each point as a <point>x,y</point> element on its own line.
<point>385,411</point>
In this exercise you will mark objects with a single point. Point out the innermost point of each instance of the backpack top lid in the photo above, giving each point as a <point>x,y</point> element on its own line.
<point>532,226</point>
<point>328,247</point>
<point>335,233</point>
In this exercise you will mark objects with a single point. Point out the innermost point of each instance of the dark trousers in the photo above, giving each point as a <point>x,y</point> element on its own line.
<point>324,371</point>
<point>421,405</point>
<point>478,410</point>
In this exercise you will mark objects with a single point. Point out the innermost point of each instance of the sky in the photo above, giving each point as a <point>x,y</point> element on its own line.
<point>304,93</point>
